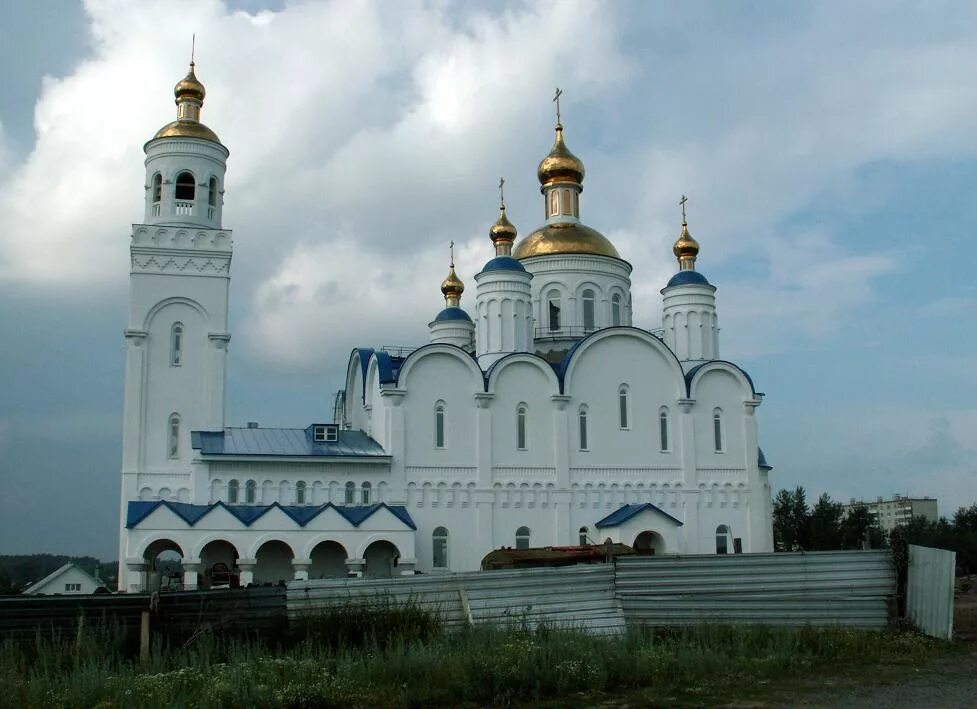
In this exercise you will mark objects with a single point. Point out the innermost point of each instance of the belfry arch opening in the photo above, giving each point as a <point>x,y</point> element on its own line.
<point>649,542</point>
<point>381,558</point>
<point>164,566</point>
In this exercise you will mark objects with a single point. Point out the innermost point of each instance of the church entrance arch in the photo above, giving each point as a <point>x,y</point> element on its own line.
<point>328,561</point>
<point>649,542</point>
<point>273,563</point>
<point>380,559</point>
<point>218,565</point>
<point>164,566</point>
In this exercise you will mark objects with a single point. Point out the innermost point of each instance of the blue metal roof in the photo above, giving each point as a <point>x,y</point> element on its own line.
<point>623,514</point>
<point>686,278</point>
<point>762,459</point>
<point>503,263</point>
<point>690,375</point>
<point>452,314</point>
<point>283,442</point>
<point>138,510</point>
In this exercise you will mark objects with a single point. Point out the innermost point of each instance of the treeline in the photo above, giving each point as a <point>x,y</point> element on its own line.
<point>824,526</point>
<point>19,570</point>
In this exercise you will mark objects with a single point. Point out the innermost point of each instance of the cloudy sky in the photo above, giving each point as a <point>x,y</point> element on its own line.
<point>828,151</point>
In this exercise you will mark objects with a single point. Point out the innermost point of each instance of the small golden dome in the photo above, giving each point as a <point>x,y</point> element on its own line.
<point>560,165</point>
<point>686,248</point>
<point>502,230</point>
<point>189,87</point>
<point>565,238</point>
<point>452,287</point>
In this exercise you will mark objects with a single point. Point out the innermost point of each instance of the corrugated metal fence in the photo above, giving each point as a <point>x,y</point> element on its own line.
<point>929,590</point>
<point>580,597</point>
<point>850,588</point>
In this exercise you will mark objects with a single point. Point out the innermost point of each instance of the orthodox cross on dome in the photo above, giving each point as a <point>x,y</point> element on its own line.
<point>682,202</point>
<point>193,47</point>
<point>451,248</point>
<point>556,99</point>
<point>502,192</point>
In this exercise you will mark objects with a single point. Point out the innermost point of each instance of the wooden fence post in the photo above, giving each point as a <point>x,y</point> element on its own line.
<point>144,637</point>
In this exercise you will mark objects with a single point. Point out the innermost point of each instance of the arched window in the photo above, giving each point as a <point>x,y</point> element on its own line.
<point>717,430</point>
<point>567,203</point>
<point>173,436</point>
<point>157,193</point>
<point>250,491</point>
<point>521,427</point>
<point>588,310</point>
<point>300,492</point>
<point>233,490</point>
<point>623,406</point>
<point>616,309</point>
<point>185,187</point>
<point>582,419</point>
<point>583,536</point>
<point>212,198</point>
<point>365,493</point>
<point>350,493</point>
<point>176,345</point>
<point>576,204</point>
<point>663,428</point>
<point>440,547</point>
<point>522,538</point>
<point>553,299</point>
<point>554,203</point>
<point>439,425</point>
<point>722,539</point>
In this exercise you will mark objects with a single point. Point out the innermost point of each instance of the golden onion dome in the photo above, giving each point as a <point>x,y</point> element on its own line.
<point>560,165</point>
<point>452,287</point>
<point>186,129</point>
<point>189,87</point>
<point>503,229</point>
<point>565,238</point>
<point>686,248</point>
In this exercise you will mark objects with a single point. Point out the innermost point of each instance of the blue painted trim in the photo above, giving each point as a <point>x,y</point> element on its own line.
<point>139,510</point>
<point>690,375</point>
<point>503,263</point>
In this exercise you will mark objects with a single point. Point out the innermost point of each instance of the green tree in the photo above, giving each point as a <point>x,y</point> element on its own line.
<point>857,527</point>
<point>825,524</point>
<point>791,520</point>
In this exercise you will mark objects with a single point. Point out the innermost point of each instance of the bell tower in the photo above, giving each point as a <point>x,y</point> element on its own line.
<point>177,334</point>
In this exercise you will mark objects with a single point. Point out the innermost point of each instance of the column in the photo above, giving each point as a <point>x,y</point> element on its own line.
<point>191,571</point>
<point>484,529</point>
<point>216,380</point>
<point>406,566</point>
<point>137,572</point>
<point>562,502</point>
<point>561,441</point>
<point>483,439</point>
<point>685,442</point>
<point>356,567</point>
<point>301,569</point>
<point>245,568</point>
<point>396,443</point>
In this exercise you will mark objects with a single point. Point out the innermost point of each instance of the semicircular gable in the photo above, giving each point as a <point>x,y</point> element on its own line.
<point>154,311</point>
<point>516,358</point>
<point>356,371</point>
<point>596,339</point>
<point>439,350</point>
<point>696,374</point>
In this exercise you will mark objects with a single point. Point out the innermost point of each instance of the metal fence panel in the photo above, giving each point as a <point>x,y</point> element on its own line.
<point>579,597</point>
<point>929,590</point>
<point>850,588</point>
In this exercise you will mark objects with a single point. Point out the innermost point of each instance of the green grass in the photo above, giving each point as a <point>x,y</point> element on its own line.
<point>401,657</point>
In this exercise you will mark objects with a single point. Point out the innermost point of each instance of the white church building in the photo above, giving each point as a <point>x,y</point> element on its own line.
<point>539,417</point>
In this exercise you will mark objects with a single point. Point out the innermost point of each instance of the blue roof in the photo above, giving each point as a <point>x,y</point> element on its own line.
<point>623,514</point>
<point>503,263</point>
<point>690,375</point>
<point>283,442</point>
<point>452,314</point>
<point>138,510</point>
<point>762,459</point>
<point>686,278</point>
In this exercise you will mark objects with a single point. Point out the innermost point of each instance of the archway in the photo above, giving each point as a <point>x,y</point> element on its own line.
<point>164,566</point>
<point>380,559</point>
<point>649,542</point>
<point>218,565</point>
<point>273,563</point>
<point>328,561</point>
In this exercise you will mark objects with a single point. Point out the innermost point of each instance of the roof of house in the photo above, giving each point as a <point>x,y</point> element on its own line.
<point>298,442</point>
<point>139,510</point>
<point>623,514</point>
<point>38,585</point>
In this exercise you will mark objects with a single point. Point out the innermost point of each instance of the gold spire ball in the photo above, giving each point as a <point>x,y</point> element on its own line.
<point>189,87</point>
<point>560,165</point>
<point>686,248</point>
<point>502,233</point>
<point>452,287</point>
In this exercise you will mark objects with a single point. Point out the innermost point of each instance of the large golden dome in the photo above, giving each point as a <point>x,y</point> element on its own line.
<point>565,238</point>
<point>560,165</point>
<point>186,129</point>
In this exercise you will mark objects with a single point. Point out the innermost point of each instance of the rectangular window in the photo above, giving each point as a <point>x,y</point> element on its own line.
<point>622,401</point>
<point>332,434</point>
<point>567,207</point>
<point>717,433</point>
<point>439,428</point>
<point>721,547</point>
<point>583,432</point>
<point>72,587</point>
<point>554,315</point>
<point>319,433</point>
<point>521,430</point>
<point>440,552</point>
<point>663,431</point>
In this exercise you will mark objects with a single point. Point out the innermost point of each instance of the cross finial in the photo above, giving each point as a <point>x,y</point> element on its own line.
<point>451,247</point>
<point>556,98</point>
<point>502,192</point>
<point>682,202</point>
<point>193,47</point>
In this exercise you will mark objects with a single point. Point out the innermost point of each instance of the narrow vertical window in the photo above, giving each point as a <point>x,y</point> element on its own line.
<point>554,203</point>
<point>439,425</point>
<point>717,430</point>
<point>616,310</point>
<point>365,491</point>
<point>212,198</point>
<point>554,305</point>
<point>300,492</point>
<point>176,345</point>
<point>663,428</point>
<point>439,542</point>
<point>583,536</point>
<point>521,427</point>
<point>722,539</point>
<point>233,490</point>
<point>250,491</point>
<point>567,206</point>
<point>350,493</point>
<point>622,406</point>
<point>582,418</point>
<point>522,538</point>
<point>589,310</point>
<point>576,204</point>
<point>157,193</point>
<point>173,437</point>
